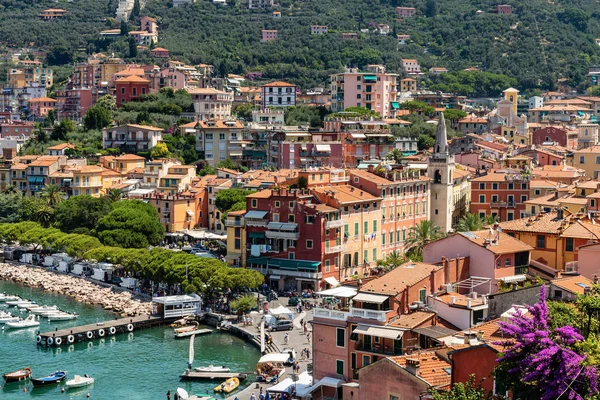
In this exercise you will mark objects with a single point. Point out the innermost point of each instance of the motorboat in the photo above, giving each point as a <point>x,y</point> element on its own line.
<point>18,375</point>
<point>28,322</point>
<point>38,310</point>
<point>188,328</point>
<point>25,303</point>
<point>212,368</point>
<point>51,379</point>
<point>228,386</point>
<point>14,302</point>
<point>79,381</point>
<point>6,317</point>
<point>8,297</point>
<point>61,316</point>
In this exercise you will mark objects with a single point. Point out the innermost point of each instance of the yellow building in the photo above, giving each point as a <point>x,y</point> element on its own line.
<point>461,194</point>
<point>236,238</point>
<point>18,176</point>
<point>588,159</point>
<point>87,180</point>
<point>408,85</point>
<point>512,135</point>
<point>124,163</point>
<point>361,216</point>
<point>110,178</point>
<point>177,179</point>
<point>512,95</point>
<point>176,212</point>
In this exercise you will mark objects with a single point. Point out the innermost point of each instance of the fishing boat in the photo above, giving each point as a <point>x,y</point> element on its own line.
<point>62,316</point>
<point>17,376</point>
<point>190,333</point>
<point>212,368</point>
<point>8,297</point>
<point>51,379</point>
<point>228,386</point>
<point>79,381</point>
<point>38,310</point>
<point>28,322</point>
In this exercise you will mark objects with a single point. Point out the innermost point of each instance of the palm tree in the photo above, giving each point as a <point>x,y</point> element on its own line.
<point>52,194</point>
<point>421,234</point>
<point>114,194</point>
<point>43,215</point>
<point>395,155</point>
<point>391,261</point>
<point>469,223</point>
<point>10,189</point>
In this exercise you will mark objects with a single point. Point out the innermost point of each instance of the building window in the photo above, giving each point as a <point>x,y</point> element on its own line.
<point>327,265</point>
<point>581,159</point>
<point>366,361</point>
<point>569,244</point>
<point>237,244</point>
<point>558,294</point>
<point>254,203</point>
<point>511,186</point>
<point>523,198</point>
<point>340,337</point>
<point>309,244</point>
<point>541,242</point>
<point>482,186</point>
<point>422,295</point>
<point>277,204</point>
<point>523,186</point>
<point>339,367</point>
<point>291,218</point>
<point>482,198</point>
<point>494,186</point>
<point>538,192</point>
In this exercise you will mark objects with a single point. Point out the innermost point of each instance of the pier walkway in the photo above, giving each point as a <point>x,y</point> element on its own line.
<point>100,329</point>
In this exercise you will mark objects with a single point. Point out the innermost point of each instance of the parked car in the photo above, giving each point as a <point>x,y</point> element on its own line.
<point>281,325</point>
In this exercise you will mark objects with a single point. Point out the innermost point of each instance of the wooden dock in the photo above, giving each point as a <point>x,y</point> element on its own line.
<point>196,375</point>
<point>98,330</point>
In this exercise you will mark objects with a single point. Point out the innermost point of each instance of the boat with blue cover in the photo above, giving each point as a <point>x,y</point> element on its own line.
<point>51,379</point>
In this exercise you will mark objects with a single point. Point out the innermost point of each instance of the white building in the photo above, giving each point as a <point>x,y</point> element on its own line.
<point>211,104</point>
<point>277,94</point>
<point>536,102</point>
<point>318,29</point>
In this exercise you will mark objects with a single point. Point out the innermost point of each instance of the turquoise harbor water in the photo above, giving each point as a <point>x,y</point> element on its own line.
<point>141,365</point>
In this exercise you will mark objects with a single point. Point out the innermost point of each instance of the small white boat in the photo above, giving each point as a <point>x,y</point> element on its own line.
<point>28,322</point>
<point>13,302</point>
<point>8,297</point>
<point>39,310</point>
<point>25,303</point>
<point>7,317</point>
<point>63,316</point>
<point>212,368</point>
<point>79,381</point>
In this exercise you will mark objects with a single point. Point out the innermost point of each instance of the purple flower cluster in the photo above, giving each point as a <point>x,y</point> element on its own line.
<point>546,358</point>
<point>253,75</point>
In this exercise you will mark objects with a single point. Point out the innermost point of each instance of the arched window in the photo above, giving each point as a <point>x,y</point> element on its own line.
<point>437,176</point>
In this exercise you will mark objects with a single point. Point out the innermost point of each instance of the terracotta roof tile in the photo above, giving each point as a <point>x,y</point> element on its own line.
<point>546,223</point>
<point>573,284</point>
<point>412,320</point>
<point>279,83</point>
<point>432,369</point>
<point>505,244</point>
<point>398,279</point>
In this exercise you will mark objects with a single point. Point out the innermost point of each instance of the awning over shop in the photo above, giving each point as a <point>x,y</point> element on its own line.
<point>274,277</point>
<point>326,381</point>
<point>340,291</point>
<point>358,135</point>
<point>395,105</point>
<point>388,333</point>
<point>256,235</point>
<point>254,214</point>
<point>286,226</point>
<point>332,281</point>
<point>323,147</point>
<point>370,298</point>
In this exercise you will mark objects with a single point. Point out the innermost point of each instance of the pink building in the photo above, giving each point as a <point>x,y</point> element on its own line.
<point>295,155</point>
<point>587,263</point>
<point>349,36</point>
<point>500,257</point>
<point>374,89</point>
<point>268,35</point>
<point>504,9</point>
<point>405,11</point>
<point>318,29</point>
<point>160,52</point>
<point>148,24</point>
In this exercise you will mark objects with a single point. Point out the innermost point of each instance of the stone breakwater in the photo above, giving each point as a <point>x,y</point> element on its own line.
<point>82,290</point>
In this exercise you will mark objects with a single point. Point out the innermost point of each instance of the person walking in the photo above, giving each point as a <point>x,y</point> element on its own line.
<point>252,397</point>
<point>286,338</point>
<point>169,395</point>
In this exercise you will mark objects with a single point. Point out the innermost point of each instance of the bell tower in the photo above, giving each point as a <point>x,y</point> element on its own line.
<point>440,169</point>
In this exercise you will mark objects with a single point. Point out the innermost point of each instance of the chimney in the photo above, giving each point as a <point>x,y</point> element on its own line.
<point>371,168</point>
<point>412,366</point>
<point>446,265</point>
<point>468,303</point>
<point>452,299</point>
<point>432,282</point>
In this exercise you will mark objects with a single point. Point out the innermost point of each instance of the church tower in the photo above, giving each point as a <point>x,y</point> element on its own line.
<point>440,169</point>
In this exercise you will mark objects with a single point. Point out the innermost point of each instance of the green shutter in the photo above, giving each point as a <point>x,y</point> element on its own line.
<point>366,226</point>
<point>383,239</point>
<point>356,232</point>
<point>374,226</point>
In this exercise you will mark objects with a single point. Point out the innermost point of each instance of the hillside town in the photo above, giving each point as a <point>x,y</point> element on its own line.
<point>420,232</point>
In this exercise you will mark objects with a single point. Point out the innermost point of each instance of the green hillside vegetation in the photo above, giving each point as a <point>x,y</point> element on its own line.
<point>540,44</point>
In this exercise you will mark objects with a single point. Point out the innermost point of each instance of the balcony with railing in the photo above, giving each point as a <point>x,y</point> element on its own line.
<point>337,223</point>
<point>521,269</point>
<point>256,222</point>
<point>233,222</point>
<point>368,314</point>
<point>282,235</point>
<point>330,314</point>
<point>507,204</point>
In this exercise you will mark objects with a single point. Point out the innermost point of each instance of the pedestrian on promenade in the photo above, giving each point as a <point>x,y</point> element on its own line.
<point>252,397</point>
<point>286,338</point>
<point>169,395</point>
<point>308,354</point>
<point>308,337</point>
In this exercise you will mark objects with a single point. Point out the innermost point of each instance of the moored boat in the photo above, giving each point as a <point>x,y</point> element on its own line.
<point>79,381</point>
<point>28,322</point>
<point>212,368</point>
<point>188,328</point>
<point>61,317</point>
<point>190,333</point>
<point>38,310</point>
<point>228,386</point>
<point>25,303</point>
<point>13,302</point>
<point>8,318</point>
<point>18,375</point>
<point>51,379</point>
<point>8,297</point>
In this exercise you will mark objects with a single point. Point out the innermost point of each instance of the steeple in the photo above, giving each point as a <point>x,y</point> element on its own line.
<point>441,138</point>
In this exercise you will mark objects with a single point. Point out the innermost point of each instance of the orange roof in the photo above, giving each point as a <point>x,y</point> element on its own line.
<point>147,127</point>
<point>263,194</point>
<point>573,284</point>
<point>42,99</point>
<point>159,49</point>
<point>473,119</point>
<point>458,300</point>
<point>398,279</point>
<point>459,173</point>
<point>591,149</point>
<point>412,320</point>
<point>42,162</point>
<point>85,169</point>
<point>581,230</point>
<point>279,84</point>
<point>62,146</point>
<point>346,194</point>
<point>547,223</point>
<point>505,244</point>
<point>132,79</point>
<point>129,157</point>
<point>205,91</point>
<point>431,368</point>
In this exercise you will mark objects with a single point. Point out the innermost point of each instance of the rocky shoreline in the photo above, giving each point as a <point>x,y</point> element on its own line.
<point>82,290</point>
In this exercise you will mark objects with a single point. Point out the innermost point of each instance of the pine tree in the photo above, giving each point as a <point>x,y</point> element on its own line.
<point>132,48</point>
<point>431,8</point>
<point>135,11</point>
